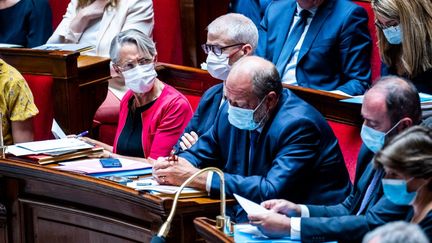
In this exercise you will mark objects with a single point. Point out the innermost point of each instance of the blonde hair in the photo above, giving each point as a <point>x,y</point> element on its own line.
<point>84,3</point>
<point>414,55</point>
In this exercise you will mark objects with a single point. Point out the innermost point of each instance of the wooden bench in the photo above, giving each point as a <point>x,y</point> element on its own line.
<point>66,86</point>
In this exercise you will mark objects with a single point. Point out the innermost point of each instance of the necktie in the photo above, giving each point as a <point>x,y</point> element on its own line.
<point>253,140</point>
<point>377,176</point>
<point>293,38</point>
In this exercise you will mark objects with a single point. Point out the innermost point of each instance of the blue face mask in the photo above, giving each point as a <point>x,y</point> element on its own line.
<point>393,34</point>
<point>243,118</point>
<point>374,139</point>
<point>396,191</point>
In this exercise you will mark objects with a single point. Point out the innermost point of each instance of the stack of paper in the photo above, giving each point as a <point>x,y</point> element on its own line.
<point>50,151</point>
<point>94,167</point>
<point>166,190</point>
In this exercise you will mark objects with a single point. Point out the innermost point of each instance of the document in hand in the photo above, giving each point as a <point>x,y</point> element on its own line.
<point>93,166</point>
<point>249,206</point>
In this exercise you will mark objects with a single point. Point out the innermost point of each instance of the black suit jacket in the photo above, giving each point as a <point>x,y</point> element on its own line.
<point>339,222</point>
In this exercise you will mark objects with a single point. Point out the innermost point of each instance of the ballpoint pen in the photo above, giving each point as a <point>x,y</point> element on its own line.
<point>82,134</point>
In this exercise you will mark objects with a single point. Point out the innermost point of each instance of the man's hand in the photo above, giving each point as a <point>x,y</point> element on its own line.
<point>166,171</point>
<point>271,224</point>
<point>283,206</point>
<point>188,139</point>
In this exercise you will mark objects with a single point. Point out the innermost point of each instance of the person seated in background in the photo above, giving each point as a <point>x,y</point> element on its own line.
<point>16,106</point>
<point>407,160</point>
<point>396,232</point>
<point>25,22</point>
<point>269,143</point>
<point>152,113</point>
<point>253,9</point>
<point>319,44</point>
<point>389,107</point>
<point>97,22</point>
<point>404,30</point>
<point>229,38</point>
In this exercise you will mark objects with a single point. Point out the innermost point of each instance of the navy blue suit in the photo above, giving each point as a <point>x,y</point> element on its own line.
<point>339,222</point>
<point>425,224</point>
<point>253,9</point>
<point>336,50</point>
<point>297,156</point>
<point>206,112</point>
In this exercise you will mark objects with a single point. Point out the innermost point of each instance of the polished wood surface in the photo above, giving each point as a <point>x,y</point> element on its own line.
<point>207,229</point>
<point>188,80</point>
<point>47,205</point>
<point>80,82</point>
<point>330,105</point>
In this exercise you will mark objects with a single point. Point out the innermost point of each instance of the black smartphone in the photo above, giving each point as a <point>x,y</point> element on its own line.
<point>110,163</point>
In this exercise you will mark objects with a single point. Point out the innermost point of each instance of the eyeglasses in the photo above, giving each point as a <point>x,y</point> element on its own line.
<point>392,23</point>
<point>217,50</point>
<point>133,63</point>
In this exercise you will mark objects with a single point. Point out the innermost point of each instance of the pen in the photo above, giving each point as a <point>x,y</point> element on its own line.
<point>82,134</point>
<point>173,157</point>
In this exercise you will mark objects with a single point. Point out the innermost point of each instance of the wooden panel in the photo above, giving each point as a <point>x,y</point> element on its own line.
<point>208,231</point>
<point>80,82</point>
<point>47,205</point>
<point>196,15</point>
<point>329,105</point>
<point>3,224</point>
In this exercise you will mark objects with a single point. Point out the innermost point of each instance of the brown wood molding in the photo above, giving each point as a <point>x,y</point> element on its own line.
<point>330,105</point>
<point>207,229</point>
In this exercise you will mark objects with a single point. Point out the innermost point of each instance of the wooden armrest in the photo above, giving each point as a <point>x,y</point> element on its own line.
<point>207,229</point>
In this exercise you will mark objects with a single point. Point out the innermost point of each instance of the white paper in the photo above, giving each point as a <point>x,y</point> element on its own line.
<point>57,131</point>
<point>54,145</point>
<point>249,206</point>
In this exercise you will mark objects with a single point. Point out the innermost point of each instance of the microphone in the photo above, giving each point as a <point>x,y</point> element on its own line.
<point>222,221</point>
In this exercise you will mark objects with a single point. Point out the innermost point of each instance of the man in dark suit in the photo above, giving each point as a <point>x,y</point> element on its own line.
<point>319,44</point>
<point>229,38</point>
<point>389,107</point>
<point>268,142</point>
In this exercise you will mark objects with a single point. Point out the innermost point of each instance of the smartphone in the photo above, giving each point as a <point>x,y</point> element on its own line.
<point>110,163</point>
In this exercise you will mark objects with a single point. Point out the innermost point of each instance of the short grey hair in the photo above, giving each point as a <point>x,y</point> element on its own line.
<point>132,36</point>
<point>236,28</point>
<point>397,232</point>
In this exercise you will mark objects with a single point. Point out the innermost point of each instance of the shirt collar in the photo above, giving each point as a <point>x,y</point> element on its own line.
<point>312,10</point>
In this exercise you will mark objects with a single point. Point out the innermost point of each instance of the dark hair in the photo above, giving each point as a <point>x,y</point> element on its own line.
<point>409,152</point>
<point>402,99</point>
<point>266,80</point>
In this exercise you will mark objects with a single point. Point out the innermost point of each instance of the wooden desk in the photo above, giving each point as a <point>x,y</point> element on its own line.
<point>208,231</point>
<point>47,205</point>
<point>80,82</point>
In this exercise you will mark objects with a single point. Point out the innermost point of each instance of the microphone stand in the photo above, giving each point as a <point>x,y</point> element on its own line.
<point>222,221</point>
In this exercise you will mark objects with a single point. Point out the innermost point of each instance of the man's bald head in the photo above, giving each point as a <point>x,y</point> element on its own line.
<point>257,74</point>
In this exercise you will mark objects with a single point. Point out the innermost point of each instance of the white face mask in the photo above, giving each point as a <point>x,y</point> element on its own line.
<point>140,79</point>
<point>218,66</point>
<point>393,34</point>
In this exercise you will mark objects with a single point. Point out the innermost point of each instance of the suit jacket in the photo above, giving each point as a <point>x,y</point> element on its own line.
<point>206,112</point>
<point>253,9</point>
<point>425,224</point>
<point>296,156</point>
<point>339,222</point>
<point>128,14</point>
<point>422,81</point>
<point>336,49</point>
